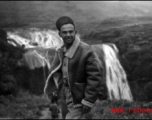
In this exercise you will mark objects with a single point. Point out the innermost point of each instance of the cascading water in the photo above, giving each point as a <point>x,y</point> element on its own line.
<point>115,76</point>
<point>41,45</point>
<point>116,80</point>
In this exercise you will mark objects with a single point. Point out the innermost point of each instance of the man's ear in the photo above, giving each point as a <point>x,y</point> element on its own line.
<point>59,33</point>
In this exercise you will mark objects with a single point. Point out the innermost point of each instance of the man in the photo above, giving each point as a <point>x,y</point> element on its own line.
<point>75,72</point>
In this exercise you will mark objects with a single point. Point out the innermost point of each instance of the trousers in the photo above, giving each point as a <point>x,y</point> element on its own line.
<point>74,112</point>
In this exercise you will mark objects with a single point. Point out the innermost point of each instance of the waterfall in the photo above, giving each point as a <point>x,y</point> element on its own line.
<point>41,46</point>
<point>116,80</point>
<point>115,76</point>
<point>35,38</point>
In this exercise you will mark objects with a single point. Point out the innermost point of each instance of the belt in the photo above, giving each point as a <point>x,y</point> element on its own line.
<point>65,82</point>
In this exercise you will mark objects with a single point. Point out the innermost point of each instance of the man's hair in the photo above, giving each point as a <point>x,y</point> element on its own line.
<point>62,21</point>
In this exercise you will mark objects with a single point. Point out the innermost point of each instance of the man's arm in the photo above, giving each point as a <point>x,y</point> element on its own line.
<point>94,74</point>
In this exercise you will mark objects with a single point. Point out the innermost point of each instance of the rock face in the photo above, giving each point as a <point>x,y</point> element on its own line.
<point>35,65</point>
<point>31,79</point>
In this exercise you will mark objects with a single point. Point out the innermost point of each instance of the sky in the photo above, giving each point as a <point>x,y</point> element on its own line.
<point>46,12</point>
<point>114,8</point>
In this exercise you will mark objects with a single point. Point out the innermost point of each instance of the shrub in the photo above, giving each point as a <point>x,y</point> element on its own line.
<point>148,90</point>
<point>7,80</point>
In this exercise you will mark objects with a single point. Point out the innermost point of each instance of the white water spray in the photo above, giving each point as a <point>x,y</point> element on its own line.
<point>33,38</point>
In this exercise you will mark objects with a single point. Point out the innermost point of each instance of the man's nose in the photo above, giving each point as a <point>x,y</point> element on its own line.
<point>68,34</point>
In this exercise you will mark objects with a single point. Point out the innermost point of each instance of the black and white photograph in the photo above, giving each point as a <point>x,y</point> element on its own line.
<point>75,59</point>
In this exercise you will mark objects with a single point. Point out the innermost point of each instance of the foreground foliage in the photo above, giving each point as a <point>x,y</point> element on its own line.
<point>28,106</point>
<point>23,106</point>
<point>105,110</point>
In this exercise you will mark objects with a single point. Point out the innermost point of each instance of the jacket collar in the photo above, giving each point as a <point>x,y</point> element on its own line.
<point>70,53</point>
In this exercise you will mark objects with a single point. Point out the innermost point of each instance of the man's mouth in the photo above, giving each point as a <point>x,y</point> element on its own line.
<point>69,39</point>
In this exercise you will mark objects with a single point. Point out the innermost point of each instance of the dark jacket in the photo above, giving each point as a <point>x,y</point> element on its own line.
<point>84,72</point>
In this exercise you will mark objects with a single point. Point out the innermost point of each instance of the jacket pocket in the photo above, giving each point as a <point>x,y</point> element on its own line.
<point>79,89</point>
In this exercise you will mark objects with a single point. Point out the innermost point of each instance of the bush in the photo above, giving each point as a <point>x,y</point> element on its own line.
<point>148,90</point>
<point>7,81</point>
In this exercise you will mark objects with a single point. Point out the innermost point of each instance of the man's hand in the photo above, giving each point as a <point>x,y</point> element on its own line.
<point>86,109</point>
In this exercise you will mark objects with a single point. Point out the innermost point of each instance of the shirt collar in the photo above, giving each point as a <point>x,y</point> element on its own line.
<point>70,53</point>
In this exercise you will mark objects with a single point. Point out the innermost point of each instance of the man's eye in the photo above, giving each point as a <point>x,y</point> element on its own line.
<point>70,31</point>
<point>64,32</point>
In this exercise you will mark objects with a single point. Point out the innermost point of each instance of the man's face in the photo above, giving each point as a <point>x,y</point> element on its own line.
<point>67,33</point>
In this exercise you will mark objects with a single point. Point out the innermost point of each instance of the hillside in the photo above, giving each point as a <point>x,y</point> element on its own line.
<point>41,14</point>
<point>45,13</point>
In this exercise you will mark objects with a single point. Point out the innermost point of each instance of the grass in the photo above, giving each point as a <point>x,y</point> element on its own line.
<point>28,106</point>
<point>23,106</point>
<point>102,110</point>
